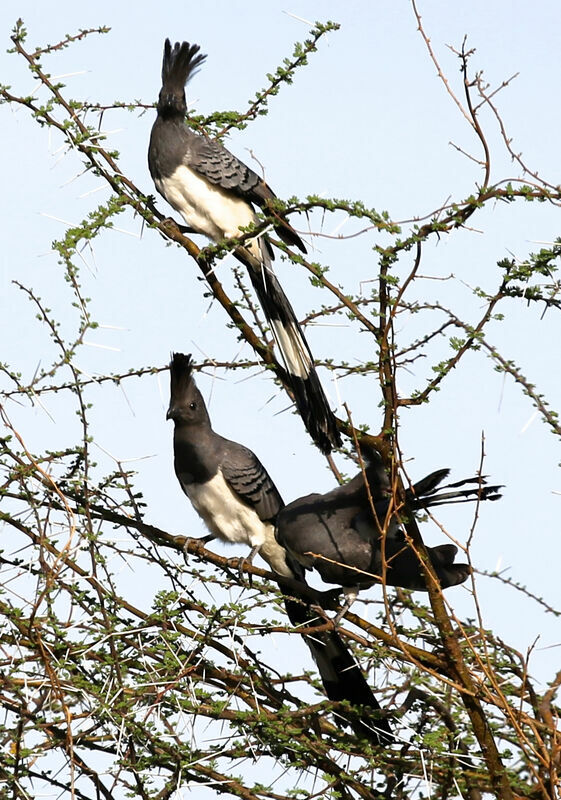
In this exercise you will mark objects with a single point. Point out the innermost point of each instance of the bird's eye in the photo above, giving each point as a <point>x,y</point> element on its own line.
<point>192,406</point>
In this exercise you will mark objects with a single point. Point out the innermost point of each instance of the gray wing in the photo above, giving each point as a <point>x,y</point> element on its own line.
<point>211,160</point>
<point>249,479</point>
<point>324,536</point>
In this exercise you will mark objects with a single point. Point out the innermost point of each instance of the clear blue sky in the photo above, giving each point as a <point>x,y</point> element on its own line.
<point>368,119</point>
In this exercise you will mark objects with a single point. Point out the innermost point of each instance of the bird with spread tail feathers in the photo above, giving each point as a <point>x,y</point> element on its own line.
<point>233,493</point>
<point>353,535</point>
<point>215,193</point>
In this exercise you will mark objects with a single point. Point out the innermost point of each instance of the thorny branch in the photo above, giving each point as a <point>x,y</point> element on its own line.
<point>171,688</point>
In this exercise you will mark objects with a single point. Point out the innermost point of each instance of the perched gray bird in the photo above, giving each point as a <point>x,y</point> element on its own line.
<point>354,540</point>
<point>215,193</point>
<point>232,492</point>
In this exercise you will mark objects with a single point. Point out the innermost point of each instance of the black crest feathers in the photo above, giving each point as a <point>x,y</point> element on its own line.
<point>180,63</point>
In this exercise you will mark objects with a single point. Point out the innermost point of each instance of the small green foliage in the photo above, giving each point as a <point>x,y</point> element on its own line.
<point>125,658</point>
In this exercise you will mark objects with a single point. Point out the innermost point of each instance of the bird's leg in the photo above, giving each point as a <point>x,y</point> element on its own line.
<point>170,222</point>
<point>248,560</point>
<point>201,540</point>
<point>351,593</point>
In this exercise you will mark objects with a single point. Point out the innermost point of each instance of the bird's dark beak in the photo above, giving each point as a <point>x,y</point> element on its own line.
<point>170,413</point>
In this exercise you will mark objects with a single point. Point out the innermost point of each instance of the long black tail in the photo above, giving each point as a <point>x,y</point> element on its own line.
<point>427,492</point>
<point>303,379</point>
<point>341,676</point>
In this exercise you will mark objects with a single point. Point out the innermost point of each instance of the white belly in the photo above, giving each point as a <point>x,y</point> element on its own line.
<point>231,520</point>
<point>206,208</point>
<point>224,514</point>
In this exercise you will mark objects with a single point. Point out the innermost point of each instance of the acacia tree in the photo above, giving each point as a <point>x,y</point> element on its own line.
<point>105,697</point>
